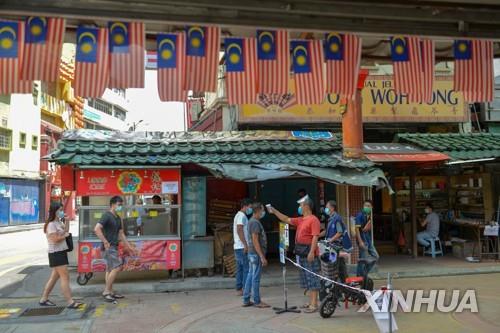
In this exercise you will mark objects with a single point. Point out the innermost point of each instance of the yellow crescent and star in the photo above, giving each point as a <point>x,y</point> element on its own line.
<point>234,57</point>
<point>6,42</point>
<point>118,37</point>
<point>400,48</point>
<point>266,45</point>
<point>35,28</point>
<point>87,47</point>
<point>300,59</point>
<point>195,41</point>
<point>335,45</point>
<point>462,47</point>
<point>166,53</point>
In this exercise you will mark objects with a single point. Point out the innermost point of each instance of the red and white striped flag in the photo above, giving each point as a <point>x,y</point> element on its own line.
<point>308,72</point>
<point>127,54</point>
<point>474,71</point>
<point>407,62</point>
<point>343,60</point>
<point>241,70</point>
<point>43,48</point>
<point>428,62</point>
<point>202,59</point>
<point>273,50</point>
<point>12,35</point>
<point>92,62</point>
<point>171,50</point>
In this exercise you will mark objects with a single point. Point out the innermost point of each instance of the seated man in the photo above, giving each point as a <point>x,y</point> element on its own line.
<point>431,224</point>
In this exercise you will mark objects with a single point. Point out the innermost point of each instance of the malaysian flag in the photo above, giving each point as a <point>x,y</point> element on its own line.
<point>92,62</point>
<point>474,69</point>
<point>407,62</point>
<point>428,59</point>
<point>307,64</point>
<point>43,47</point>
<point>202,60</point>
<point>241,70</point>
<point>126,48</point>
<point>171,51</point>
<point>343,59</point>
<point>273,53</point>
<point>11,51</point>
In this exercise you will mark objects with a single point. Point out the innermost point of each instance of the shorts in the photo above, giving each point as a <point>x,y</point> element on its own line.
<point>307,280</point>
<point>112,258</point>
<point>59,258</point>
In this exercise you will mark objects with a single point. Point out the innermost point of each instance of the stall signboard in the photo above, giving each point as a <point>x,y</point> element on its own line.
<point>152,255</point>
<point>135,181</point>
<point>380,103</point>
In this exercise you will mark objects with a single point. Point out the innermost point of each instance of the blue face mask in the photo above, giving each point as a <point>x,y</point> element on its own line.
<point>327,211</point>
<point>60,214</point>
<point>299,210</point>
<point>119,208</point>
<point>249,211</point>
<point>263,214</point>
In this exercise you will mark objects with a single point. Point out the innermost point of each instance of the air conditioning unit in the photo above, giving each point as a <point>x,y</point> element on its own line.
<point>5,122</point>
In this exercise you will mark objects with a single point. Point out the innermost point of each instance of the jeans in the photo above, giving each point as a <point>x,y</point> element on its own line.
<point>369,253</point>
<point>422,238</point>
<point>241,268</point>
<point>252,284</point>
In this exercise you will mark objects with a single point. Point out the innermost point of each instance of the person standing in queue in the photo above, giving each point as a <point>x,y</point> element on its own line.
<point>240,244</point>
<point>257,248</point>
<point>56,231</point>
<point>367,250</point>
<point>306,248</point>
<point>109,230</point>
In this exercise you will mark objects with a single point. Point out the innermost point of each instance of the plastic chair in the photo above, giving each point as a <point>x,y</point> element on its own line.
<point>433,250</point>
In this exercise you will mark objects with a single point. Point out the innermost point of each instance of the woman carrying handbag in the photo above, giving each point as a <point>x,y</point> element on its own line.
<point>56,232</point>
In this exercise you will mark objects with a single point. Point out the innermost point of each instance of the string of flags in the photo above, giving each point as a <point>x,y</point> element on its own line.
<point>114,57</point>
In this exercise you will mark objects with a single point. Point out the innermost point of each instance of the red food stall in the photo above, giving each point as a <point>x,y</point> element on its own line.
<point>150,216</point>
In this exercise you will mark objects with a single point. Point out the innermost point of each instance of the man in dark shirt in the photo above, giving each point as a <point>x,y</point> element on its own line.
<point>257,247</point>
<point>109,230</point>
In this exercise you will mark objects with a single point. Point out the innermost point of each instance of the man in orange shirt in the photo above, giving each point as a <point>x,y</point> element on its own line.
<point>306,248</point>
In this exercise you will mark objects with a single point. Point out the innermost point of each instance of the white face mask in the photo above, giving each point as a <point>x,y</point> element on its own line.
<point>427,210</point>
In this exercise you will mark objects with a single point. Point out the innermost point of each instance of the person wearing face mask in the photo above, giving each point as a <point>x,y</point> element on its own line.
<point>306,248</point>
<point>57,231</point>
<point>110,231</point>
<point>364,238</point>
<point>431,224</point>
<point>240,245</point>
<point>257,247</point>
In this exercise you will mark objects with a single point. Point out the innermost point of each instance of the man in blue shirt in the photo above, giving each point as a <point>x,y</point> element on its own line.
<point>364,238</point>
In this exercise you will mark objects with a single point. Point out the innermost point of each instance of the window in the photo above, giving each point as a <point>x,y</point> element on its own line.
<point>120,113</point>
<point>101,105</point>
<point>5,139</point>
<point>22,140</point>
<point>34,142</point>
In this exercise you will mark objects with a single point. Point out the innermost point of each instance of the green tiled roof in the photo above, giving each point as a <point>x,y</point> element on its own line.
<point>459,146</point>
<point>86,147</point>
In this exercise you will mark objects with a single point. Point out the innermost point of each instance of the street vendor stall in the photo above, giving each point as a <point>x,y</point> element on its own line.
<point>150,218</point>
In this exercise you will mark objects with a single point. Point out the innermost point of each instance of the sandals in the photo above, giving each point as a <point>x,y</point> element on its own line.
<point>108,298</point>
<point>117,296</point>
<point>246,305</point>
<point>262,305</point>
<point>311,309</point>
<point>47,303</point>
<point>305,306</point>
<point>75,305</point>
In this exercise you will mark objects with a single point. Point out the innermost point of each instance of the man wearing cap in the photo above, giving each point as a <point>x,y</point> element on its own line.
<point>306,248</point>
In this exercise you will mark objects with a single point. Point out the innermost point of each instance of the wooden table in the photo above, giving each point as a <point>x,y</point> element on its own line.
<point>477,227</point>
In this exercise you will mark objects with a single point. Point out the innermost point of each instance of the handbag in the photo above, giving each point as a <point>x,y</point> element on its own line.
<point>69,242</point>
<point>302,250</point>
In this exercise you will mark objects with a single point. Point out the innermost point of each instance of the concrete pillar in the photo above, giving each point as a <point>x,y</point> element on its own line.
<point>352,128</point>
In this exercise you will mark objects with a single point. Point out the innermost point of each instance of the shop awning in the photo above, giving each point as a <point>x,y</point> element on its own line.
<point>242,155</point>
<point>459,146</point>
<point>260,172</point>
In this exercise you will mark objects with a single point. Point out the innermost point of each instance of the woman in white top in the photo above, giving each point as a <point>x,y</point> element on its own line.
<point>57,231</point>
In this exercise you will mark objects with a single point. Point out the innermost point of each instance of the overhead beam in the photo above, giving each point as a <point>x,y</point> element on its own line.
<point>428,18</point>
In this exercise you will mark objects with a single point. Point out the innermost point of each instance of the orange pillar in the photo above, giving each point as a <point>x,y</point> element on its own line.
<point>352,128</point>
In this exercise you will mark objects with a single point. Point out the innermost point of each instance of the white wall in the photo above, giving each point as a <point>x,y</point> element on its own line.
<point>24,117</point>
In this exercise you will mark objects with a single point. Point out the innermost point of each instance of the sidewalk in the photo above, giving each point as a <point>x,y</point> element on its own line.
<point>20,228</point>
